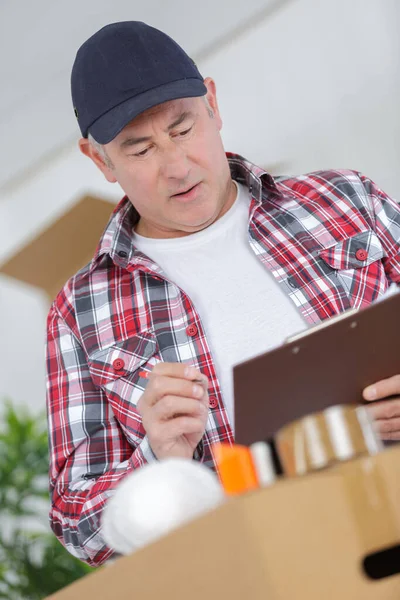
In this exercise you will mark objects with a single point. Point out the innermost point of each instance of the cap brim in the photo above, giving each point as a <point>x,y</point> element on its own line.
<point>109,125</point>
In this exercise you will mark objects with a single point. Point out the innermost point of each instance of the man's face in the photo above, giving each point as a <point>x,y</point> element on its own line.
<point>171,164</point>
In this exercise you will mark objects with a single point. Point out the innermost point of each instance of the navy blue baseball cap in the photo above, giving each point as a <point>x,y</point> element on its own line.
<point>124,69</point>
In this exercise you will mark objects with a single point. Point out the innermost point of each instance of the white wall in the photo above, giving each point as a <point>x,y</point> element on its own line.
<point>316,86</point>
<point>23,309</point>
<point>35,101</point>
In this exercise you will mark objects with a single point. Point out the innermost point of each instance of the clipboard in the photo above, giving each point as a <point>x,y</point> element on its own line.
<point>328,364</point>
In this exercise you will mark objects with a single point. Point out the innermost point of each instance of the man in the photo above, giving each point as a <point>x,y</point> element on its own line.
<point>208,260</point>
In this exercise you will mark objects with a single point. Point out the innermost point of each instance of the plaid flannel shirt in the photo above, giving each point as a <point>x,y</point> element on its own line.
<point>120,314</point>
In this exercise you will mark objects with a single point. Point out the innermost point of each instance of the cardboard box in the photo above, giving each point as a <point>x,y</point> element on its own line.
<point>304,538</point>
<point>61,249</point>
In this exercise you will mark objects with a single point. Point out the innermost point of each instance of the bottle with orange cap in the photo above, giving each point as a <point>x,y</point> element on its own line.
<point>242,469</point>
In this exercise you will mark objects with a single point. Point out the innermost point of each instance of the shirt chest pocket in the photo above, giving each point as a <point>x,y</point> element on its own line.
<point>357,261</point>
<point>116,369</point>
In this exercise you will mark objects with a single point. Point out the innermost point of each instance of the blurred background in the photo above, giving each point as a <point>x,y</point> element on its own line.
<point>302,85</point>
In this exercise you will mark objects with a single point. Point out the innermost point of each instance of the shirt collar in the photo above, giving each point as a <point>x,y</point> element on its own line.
<point>116,241</point>
<point>253,177</point>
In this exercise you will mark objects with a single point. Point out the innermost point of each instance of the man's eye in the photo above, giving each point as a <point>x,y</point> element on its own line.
<point>183,133</point>
<point>142,153</point>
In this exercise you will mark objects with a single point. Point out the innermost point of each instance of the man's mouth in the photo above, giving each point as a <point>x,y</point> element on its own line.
<point>185,192</point>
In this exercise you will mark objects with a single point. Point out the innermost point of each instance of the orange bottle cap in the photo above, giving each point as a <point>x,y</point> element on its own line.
<point>235,468</point>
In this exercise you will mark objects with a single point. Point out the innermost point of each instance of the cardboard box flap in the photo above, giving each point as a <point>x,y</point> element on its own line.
<point>63,248</point>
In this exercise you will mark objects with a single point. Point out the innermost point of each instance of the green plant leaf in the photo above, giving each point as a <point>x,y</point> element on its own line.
<point>33,564</point>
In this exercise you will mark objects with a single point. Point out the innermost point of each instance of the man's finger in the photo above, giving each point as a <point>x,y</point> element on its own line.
<point>161,386</point>
<point>389,429</point>
<point>383,388</point>
<point>173,369</point>
<point>391,437</point>
<point>175,428</point>
<point>172,406</point>
<point>384,409</point>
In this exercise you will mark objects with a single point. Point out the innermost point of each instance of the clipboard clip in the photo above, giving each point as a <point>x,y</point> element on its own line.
<point>392,290</point>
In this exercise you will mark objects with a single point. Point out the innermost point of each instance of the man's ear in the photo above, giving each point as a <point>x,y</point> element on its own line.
<point>88,150</point>
<point>212,100</point>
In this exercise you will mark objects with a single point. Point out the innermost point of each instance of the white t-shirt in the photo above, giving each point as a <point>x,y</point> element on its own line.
<point>243,310</point>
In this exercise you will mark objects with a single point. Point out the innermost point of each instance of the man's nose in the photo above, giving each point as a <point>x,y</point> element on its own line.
<point>175,164</point>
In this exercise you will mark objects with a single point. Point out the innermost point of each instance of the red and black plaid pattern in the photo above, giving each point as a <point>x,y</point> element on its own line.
<point>330,240</point>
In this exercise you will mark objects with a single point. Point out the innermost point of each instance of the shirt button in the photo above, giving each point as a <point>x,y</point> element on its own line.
<point>191,330</point>
<point>361,254</point>
<point>213,402</point>
<point>292,282</point>
<point>122,254</point>
<point>118,364</point>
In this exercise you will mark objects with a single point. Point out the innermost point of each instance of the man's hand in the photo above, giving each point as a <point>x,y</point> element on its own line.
<point>174,409</point>
<point>385,412</point>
